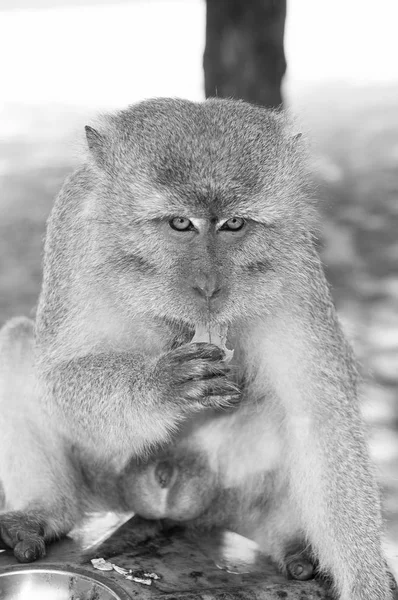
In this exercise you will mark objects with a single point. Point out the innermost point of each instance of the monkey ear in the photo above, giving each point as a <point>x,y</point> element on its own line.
<point>96,144</point>
<point>297,136</point>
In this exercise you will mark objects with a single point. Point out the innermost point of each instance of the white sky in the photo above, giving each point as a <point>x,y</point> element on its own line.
<point>112,55</point>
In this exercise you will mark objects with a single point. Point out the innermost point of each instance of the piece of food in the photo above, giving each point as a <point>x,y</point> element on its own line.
<point>101,564</point>
<point>138,576</point>
<point>120,570</point>
<point>142,577</point>
<point>214,334</point>
<point>142,580</point>
<point>152,576</point>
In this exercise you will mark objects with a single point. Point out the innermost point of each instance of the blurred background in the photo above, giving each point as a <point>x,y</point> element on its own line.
<point>64,60</point>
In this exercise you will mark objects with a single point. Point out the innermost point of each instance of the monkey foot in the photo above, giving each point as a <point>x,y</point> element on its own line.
<point>24,534</point>
<point>300,564</point>
<point>30,549</point>
<point>301,569</point>
<point>393,585</point>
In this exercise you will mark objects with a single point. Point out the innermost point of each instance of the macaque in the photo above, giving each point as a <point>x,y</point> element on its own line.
<point>185,235</point>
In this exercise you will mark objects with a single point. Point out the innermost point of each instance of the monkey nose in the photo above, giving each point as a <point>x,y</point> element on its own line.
<point>206,286</point>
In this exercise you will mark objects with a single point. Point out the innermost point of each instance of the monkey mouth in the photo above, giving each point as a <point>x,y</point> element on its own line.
<point>211,312</point>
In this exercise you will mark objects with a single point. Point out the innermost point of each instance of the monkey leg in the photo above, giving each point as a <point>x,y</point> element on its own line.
<point>326,458</point>
<point>268,520</point>
<point>263,511</point>
<point>180,488</point>
<point>38,481</point>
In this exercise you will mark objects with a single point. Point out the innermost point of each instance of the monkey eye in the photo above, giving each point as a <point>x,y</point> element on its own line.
<point>234,224</point>
<point>181,224</point>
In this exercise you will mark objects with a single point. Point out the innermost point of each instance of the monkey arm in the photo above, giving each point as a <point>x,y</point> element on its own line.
<point>110,401</point>
<point>312,369</point>
<point>127,402</point>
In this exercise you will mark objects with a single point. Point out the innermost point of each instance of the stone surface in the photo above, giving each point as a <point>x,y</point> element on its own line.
<point>187,566</point>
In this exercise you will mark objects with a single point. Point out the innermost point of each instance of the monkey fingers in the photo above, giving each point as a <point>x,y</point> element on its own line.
<point>24,533</point>
<point>203,350</point>
<point>195,361</point>
<point>197,372</point>
<point>213,392</point>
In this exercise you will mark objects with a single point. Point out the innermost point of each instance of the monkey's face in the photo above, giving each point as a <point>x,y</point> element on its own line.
<point>212,268</point>
<point>200,266</point>
<point>206,209</point>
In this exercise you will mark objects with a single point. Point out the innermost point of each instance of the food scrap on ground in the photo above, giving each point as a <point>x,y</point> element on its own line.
<point>138,576</point>
<point>101,564</point>
<point>142,580</point>
<point>120,570</point>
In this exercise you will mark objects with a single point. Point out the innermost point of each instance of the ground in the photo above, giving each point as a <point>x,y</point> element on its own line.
<point>355,150</point>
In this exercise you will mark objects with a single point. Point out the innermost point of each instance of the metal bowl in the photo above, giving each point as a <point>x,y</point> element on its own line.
<point>56,583</point>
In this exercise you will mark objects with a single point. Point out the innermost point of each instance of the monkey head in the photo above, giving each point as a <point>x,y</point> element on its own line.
<point>202,208</point>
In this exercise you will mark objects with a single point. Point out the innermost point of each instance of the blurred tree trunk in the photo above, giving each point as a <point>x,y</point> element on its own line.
<point>244,56</point>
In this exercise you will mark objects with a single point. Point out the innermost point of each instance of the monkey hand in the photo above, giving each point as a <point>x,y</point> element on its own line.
<point>196,376</point>
<point>24,532</point>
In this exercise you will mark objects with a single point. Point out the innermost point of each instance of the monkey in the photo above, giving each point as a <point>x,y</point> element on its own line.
<point>183,214</point>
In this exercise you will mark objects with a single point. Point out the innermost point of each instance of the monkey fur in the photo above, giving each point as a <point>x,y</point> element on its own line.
<point>182,214</point>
